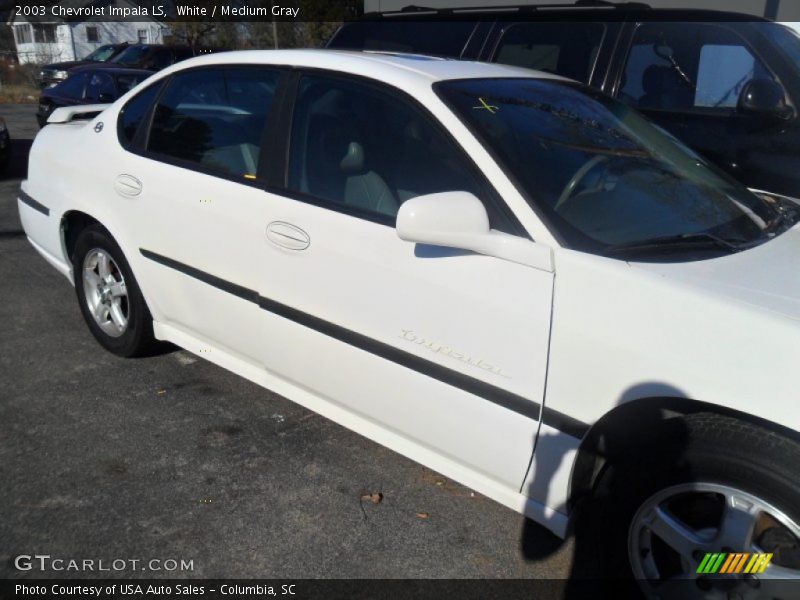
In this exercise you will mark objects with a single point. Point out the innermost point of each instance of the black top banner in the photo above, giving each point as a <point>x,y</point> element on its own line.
<point>221,11</point>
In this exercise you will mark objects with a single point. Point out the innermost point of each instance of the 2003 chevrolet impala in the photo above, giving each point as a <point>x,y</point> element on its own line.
<point>496,272</point>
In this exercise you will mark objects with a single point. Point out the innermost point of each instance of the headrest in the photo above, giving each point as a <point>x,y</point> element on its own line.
<point>353,160</point>
<point>653,79</point>
<point>333,145</point>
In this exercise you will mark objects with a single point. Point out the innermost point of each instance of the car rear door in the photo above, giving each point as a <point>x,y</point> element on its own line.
<point>189,189</point>
<point>445,349</point>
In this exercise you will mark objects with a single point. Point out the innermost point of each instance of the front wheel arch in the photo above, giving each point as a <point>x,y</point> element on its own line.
<point>613,434</point>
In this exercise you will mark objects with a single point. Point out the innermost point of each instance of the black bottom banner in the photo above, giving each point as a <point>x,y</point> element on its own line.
<point>311,589</point>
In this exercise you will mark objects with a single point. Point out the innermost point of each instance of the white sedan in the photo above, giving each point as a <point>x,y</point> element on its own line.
<point>499,273</point>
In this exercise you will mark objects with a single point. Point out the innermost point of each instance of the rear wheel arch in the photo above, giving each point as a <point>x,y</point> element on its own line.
<point>108,293</point>
<point>73,222</point>
<point>639,424</point>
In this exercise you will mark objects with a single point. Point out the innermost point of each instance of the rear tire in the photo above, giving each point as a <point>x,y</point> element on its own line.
<point>109,296</point>
<point>712,484</point>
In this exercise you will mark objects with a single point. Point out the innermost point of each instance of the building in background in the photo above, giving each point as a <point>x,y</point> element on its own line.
<point>48,39</point>
<point>777,10</point>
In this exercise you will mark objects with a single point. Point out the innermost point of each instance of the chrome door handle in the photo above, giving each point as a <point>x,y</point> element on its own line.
<point>288,236</point>
<point>127,185</point>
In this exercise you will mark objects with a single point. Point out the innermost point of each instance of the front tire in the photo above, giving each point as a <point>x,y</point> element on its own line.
<point>109,296</point>
<point>715,484</point>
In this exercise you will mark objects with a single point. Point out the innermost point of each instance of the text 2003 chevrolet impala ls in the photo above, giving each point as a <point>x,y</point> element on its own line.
<point>498,273</point>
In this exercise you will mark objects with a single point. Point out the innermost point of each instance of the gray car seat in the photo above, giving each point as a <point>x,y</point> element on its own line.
<point>336,168</point>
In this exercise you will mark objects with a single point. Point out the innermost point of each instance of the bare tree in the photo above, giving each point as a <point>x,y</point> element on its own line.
<point>193,34</point>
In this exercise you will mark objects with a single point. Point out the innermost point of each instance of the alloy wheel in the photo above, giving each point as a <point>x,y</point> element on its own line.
<point>105,292</point>
<point>675,529</point>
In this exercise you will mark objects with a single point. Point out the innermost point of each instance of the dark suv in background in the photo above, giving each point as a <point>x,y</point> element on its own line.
<point>55,73</point>
<point>89,85</point>
<point>726,84</point>
<point>152,57</point>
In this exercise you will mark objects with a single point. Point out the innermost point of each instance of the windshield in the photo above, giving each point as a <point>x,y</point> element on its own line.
<point>101,54</point>
<point>132,55</point>
<point>786,38</point>
<point>602,175</point>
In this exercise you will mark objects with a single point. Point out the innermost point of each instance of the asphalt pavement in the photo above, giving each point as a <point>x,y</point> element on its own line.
<point>172,458</point>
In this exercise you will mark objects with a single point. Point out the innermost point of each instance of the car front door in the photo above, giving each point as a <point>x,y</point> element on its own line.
<point>189,187</point>
<point>446,349</point>
<point>688,78</point>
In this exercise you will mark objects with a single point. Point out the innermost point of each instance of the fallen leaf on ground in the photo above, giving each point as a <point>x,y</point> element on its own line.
<point>375,497</point>
<point>159,392</point>
<point>422,515</point>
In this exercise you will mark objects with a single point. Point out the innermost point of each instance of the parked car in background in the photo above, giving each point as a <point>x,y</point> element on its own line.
<point>502,274</point>
<point>55,73</point>
<point>5,144</point>
<point>726,84</point>
<point>89,85</point>
<point>155,57</point>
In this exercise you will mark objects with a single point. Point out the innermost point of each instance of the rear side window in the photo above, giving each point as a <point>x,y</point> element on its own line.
<point>683,66</point>
<point>439,38</point>
<point>567,49</point>
<point>134,112</point>
<point>214,118</point>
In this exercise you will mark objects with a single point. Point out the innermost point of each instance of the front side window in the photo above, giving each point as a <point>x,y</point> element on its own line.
<point>72,87</point>
<point>214,118</point>
<point>361,149</point>
<point>100,88</point>
<point>685,66</point>
<point>605,179</point>
<point>567,49</point>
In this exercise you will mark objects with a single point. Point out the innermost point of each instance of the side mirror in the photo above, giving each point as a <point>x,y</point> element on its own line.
<point>459,220</point>
<point>765,98</point>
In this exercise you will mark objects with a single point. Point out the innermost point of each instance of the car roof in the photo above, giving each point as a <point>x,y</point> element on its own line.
<point>394,68</point>
<point>584,10</point>
<point>109,69</point>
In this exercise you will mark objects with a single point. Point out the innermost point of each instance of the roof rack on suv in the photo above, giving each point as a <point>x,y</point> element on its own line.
<point>602,4</point>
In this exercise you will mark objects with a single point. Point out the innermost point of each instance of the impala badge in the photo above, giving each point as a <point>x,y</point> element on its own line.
<point>410,336</point>
<point>98,127</point>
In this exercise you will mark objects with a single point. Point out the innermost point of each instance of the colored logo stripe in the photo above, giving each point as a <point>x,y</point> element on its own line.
<point>733,562</point>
